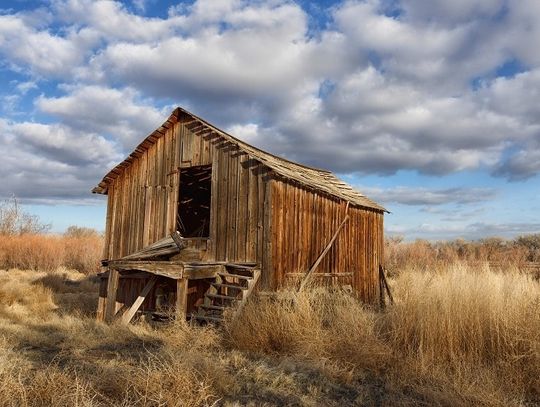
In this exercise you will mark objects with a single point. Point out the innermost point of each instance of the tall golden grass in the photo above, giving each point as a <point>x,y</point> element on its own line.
<point>476,333</point>
<point>456,337</point>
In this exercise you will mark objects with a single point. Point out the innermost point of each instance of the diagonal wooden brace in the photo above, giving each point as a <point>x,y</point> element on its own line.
<point>126,318</point>
<point>307,277</point>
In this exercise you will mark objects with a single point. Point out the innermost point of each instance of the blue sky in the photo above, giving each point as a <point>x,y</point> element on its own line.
<point>429,107</point>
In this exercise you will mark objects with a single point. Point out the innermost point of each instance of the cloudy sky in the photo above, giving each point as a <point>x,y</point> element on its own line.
<point>431,107</point>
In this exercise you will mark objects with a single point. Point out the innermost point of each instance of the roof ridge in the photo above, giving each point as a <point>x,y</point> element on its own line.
<point>323,181</point>
<point>247,144</point>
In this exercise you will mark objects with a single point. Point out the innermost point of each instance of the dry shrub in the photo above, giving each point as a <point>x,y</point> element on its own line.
<point>14,220</point>
<point>31,252</point>
<point>170,380</point>
<point>83,253</point>
<point>423,255</point>
<point>315,323</point>
<point>83,249</point>
<point>24,244</point>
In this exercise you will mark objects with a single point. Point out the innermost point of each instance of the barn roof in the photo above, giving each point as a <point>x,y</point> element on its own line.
<point>320,180</point>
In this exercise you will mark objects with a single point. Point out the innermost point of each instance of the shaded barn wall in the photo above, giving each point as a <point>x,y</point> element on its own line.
<point>142,203</point>
<point>303,222</point>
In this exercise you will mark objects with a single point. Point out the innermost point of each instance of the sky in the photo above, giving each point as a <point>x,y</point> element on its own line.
<point>428,107</point>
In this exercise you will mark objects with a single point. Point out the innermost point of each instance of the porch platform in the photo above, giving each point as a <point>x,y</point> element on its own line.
<point>175,270</point>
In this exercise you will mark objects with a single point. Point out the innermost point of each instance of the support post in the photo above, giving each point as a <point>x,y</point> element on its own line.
<point>181,298</point>
<point>112,290</point>
<point>102,301</point>
<point>384,287</point>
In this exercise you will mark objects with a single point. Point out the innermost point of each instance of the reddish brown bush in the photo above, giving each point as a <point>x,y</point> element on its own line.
<point>429,256</point>
<point>49,252</point>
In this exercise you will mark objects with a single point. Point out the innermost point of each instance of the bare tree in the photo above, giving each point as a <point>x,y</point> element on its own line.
<point>15,221</point>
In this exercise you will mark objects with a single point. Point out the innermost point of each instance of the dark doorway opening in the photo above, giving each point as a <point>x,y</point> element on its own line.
<point>194,201</point>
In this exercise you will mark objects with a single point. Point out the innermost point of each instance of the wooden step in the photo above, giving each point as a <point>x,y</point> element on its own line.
<point>213,307</point>
<point>240,287</point>
<point>239,266</point>
<point>223,297</point>
<point>208,318</point>
<point>239,276</point>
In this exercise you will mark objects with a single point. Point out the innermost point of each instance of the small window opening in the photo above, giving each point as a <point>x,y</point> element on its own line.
<point>194,197</point>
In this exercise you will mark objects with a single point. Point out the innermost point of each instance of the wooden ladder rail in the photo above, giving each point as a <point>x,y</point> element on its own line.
<point>245,294</point>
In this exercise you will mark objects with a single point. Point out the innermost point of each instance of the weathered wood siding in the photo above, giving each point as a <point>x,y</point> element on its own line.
<point>142,203</point>
<point>303,223</point>
<point>253,218</point>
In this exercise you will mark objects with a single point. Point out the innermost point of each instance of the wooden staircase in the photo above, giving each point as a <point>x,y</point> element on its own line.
<point>230,290</point>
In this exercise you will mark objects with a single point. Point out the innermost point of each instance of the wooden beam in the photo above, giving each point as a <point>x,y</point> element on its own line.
<point>202,272</point>
<point>181,298</point>
<point>164,268</point>
<point>326,250</point>
<point>126,318</point>
<point>112,288</point>
<point>336,275</point>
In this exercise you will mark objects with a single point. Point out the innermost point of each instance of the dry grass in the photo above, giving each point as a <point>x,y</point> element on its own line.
<point>454,338</point>
<point>479,328</point>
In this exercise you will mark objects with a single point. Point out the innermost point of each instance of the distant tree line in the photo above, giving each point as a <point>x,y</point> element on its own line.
<point>423,254</point>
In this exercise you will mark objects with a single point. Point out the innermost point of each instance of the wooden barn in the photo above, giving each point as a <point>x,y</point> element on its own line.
<point>197,219</point>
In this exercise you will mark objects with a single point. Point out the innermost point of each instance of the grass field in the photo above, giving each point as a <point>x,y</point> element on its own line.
<point>455,337</point>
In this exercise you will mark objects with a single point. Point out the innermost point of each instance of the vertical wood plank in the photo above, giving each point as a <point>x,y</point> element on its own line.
<point>232,204</point>
<point>108,226</point>
<point>268,211</point>
<point>261,208</point>
<point>222,191</point>
<point>252,216</point>
<point>242,211</point>
<point>214,216</point>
